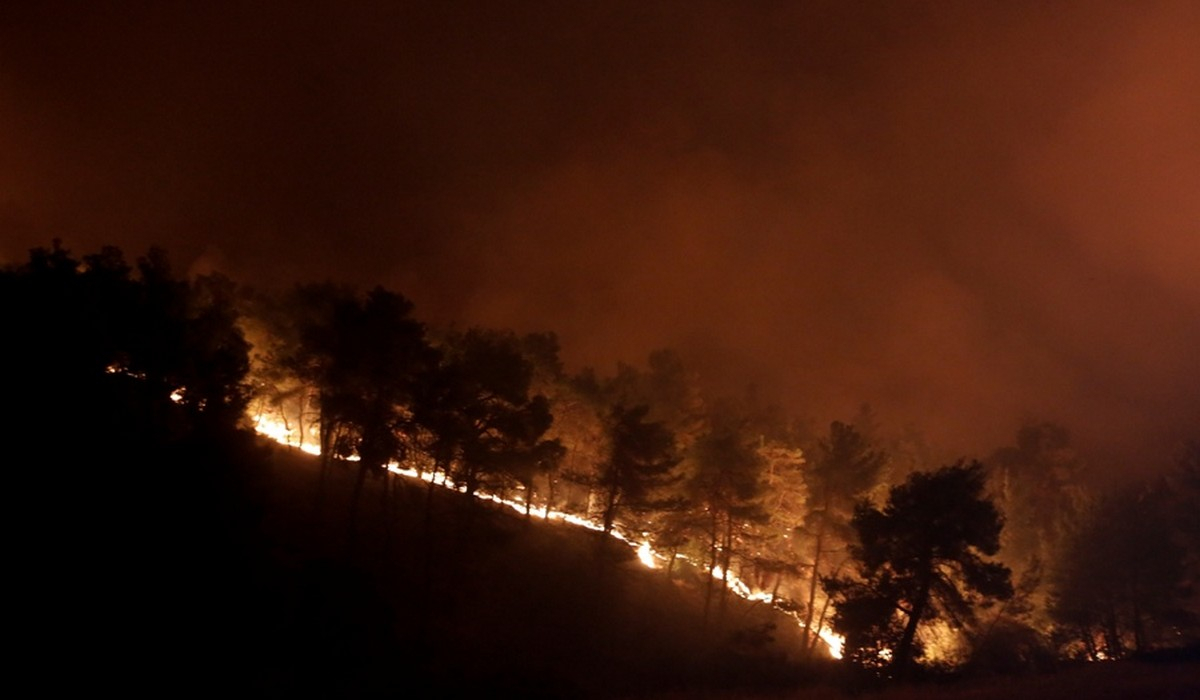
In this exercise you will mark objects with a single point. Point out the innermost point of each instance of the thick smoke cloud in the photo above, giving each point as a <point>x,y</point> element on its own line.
<point>965,214</point>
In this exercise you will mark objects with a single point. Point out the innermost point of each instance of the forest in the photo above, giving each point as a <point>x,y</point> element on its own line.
<point>138,401</point>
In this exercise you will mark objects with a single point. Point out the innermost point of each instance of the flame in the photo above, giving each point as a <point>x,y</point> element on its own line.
<point>279,432</point>
<point>835,642</point>
<point>943,643</point>
<point>646,556</point>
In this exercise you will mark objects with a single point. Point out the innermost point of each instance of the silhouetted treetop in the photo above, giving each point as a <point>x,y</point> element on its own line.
<point>85,323</point>
<point>919,557</point>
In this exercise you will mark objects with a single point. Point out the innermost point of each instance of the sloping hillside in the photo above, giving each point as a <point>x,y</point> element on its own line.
<point>425,584</point>
<point>230,566</point>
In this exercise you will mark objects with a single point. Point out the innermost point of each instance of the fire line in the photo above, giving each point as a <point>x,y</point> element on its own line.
<point>646,554</point>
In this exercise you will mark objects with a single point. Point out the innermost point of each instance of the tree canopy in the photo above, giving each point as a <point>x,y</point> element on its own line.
<point>1120,587</point>
<point>844,469</point>
<point>641,458</point>
<point>478,412</point>
<point>920,557</point>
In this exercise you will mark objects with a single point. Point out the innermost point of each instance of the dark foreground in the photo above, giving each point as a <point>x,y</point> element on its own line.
<point>238,569</point>
<point>1127,680</point>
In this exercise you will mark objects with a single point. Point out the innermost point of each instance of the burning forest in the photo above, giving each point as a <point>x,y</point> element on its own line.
<point>794,552</point>
<point>603,349</point>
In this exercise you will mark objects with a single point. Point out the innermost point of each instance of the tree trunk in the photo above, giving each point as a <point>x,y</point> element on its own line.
<point>528,498</point>
<point>1112,635</point>
<point>471,481</point>
<point>610,509</point>
<point>299,418</point>
<point>904,649</point>
<point>809,644</point>
<point>712,564</point>
<point>549,494</point>
<point>816,636</point>
<point>1139,630</point>
<point>326,438</point>
<point>727,561</point>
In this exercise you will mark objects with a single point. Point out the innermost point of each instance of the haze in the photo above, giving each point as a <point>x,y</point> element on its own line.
<point>964,214</point>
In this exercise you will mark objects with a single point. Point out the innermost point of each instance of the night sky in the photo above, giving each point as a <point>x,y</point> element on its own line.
<point>967,214</point>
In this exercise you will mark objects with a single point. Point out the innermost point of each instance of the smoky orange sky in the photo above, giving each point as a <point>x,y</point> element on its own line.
<point>967,214</point>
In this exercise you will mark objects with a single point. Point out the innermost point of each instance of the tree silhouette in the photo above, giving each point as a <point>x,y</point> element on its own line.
<point>366,357</point>
<point>843,469</point>
<point>1038,489</point>
<point>128,382</point>
<point>1038,486</point>
<point>726,483</point>
<point>579,410</point>
<point>777,555</point>
<point>305,344</point>
<point>1117,589</point>
<point>918,558</point>
<point>97,331</point>
<point>476,409</point>
<point>640,460</point>
<point>670,390</point>
<point>540,452</point>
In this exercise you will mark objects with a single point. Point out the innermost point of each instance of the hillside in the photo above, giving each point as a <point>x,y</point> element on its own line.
<point>473,597</point>
<point>228,566</point>
<point>464,597</point>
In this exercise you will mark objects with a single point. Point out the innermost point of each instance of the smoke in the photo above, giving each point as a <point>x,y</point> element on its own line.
<point>965,215</point>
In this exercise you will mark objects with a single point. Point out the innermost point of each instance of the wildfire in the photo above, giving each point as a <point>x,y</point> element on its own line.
<point>279,432</point>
